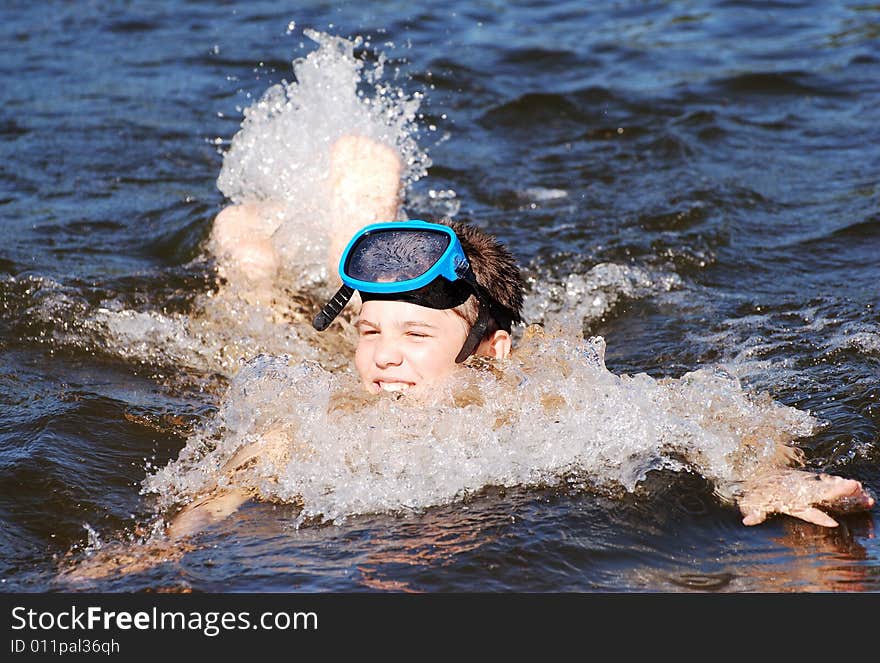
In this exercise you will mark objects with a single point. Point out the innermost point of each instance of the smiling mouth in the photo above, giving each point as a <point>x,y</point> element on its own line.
<point>393,386</point>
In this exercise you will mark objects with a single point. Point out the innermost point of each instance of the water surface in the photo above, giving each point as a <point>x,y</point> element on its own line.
<point>693,182</point>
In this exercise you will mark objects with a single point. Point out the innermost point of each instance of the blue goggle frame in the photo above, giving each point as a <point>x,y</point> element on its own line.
<point>452,263</point>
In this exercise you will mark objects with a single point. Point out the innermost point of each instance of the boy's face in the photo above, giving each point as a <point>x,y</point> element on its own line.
<point>401,345</point>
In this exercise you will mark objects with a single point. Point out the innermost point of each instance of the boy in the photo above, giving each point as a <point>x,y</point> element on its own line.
<point>415,323</point>
<point>434,294</point>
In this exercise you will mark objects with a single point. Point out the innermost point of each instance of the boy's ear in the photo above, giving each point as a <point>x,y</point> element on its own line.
<point>497,345</point>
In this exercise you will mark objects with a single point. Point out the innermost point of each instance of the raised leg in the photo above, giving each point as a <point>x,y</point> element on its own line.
<point>241,240</point>
<point>365,187</point>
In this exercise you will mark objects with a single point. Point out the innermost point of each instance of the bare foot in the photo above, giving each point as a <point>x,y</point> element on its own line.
<point>365,188</point>
<point>803,495</point>
<point>241,240</point>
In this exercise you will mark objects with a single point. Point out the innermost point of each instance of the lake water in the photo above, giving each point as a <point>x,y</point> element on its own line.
<point>691,188</point>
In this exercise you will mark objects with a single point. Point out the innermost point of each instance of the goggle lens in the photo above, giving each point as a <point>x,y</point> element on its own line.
<point>393,256</point>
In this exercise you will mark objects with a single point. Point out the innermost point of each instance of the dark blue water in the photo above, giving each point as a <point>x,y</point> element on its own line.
<point>733,146</point>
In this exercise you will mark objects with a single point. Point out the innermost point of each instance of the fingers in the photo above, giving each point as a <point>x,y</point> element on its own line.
<point>837,487</point>
<point>813,515</point>
<point>845,495</point>
<point>810,515</point>
<point>754,518</point>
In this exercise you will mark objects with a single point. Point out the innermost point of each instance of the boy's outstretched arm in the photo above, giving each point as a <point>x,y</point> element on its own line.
<point>221,502</point>
<point>800,494</point>
<point>207,511</point>
<point>171,543</point>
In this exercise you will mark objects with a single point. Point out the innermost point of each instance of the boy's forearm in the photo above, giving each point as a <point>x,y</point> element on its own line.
<point>207,511</point>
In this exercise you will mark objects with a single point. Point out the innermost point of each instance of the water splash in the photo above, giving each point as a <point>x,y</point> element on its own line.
<point>756,347</point>
<point>281,152</point>
<point>580,299</point>
<point>216,341</point>
<point>551,414</point>
<point>94,540</point>
<point>279,155</point>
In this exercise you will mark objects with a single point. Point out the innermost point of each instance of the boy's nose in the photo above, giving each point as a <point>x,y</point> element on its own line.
<point>387,353</point>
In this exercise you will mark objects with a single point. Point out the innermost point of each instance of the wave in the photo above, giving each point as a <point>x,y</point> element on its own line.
<point>778,83</point>
<point>580,300</point>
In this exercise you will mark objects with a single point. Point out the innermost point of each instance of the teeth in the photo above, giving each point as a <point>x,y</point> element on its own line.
<point>393,386</point>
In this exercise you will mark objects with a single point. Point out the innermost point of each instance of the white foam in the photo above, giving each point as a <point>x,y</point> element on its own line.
<point>542,194</point>
<point>862,337</point>
<point>580,299</point>
<point>757,347</point>
<point>216,341</point>
<point>553,412</point>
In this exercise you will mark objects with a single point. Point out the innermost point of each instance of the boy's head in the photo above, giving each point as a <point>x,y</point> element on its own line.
<point>424,310</point>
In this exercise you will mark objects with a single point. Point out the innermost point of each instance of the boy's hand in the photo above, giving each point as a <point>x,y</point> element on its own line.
<point>803,495</point>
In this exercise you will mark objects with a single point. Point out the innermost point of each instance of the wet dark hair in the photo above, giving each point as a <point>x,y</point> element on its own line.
<point>497,272</point>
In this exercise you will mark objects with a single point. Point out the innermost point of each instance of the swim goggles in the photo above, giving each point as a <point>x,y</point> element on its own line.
<point>415,261</point>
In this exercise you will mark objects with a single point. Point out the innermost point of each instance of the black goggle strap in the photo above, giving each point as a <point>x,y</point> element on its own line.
<point>477,332</point>
<point>332,308</point>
